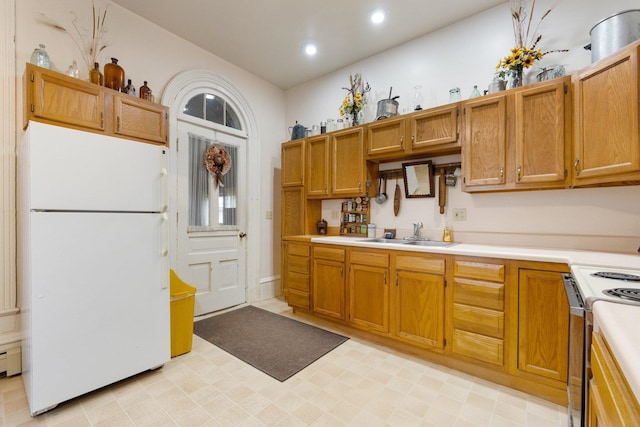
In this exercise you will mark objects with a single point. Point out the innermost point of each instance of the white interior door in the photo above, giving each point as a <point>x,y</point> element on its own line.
<point>211,218</point>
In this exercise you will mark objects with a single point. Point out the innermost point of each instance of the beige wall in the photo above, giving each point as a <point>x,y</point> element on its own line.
<point>465,54</point>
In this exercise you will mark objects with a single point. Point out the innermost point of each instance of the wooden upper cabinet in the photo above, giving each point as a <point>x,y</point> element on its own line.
<point>293,163</point>
<point>435,130</point>
<point>484,148</point>
<point>58,99</point>
<point>386,138</point>
<point>518,139</point>
<point>606,134</point>
<point>137,118</point>
<point>542,134</point>
<point>335,164</point>
<point>317,166</point>
<point>348,171</point>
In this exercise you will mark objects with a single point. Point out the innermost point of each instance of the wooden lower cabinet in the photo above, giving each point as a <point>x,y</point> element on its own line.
<point>296,271</point>
<point>543,324</point>
<point>329,281</point>
<point>611,401</point>
<point>502,320</point>
<point>478,310</point>
<point>418,296</point>
<point>369,290</point>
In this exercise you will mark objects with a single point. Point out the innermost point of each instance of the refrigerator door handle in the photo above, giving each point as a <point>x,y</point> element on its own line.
<point>164,254</point>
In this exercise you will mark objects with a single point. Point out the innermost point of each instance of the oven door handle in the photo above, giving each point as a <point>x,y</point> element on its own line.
<point>576,306</point>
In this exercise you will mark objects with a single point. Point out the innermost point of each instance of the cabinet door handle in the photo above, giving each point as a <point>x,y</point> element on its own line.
<point>575,166</point>
<point>402,142</point>
<point>397,279</point>
<point>341,271</point>
<point>102,120</point>
<point>501,174</point>
<point>519,172</point>
<point>385,277</point>
<point>413,140</point>
<point>118,124</point>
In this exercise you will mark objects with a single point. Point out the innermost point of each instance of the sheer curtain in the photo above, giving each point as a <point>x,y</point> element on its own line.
<point>198,182</point>
<point>203,193</point>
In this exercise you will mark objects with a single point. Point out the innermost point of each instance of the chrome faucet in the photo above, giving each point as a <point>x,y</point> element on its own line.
<point>416,230</point>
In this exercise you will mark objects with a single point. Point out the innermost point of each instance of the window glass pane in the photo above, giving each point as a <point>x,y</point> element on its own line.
<point>232,118</point>
<point>214,109</point>
<point>195,107</point>
<point>198,182</point>
<point>227,195</point>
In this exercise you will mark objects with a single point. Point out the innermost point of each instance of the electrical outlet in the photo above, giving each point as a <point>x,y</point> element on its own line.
<point>269,214</point>
<point>460,214</point>
<point>335,215</point>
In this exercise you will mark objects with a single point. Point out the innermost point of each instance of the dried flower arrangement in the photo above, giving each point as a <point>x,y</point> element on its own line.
<point>526,52</point>
<point>89,43</point>
<point>354,101</point>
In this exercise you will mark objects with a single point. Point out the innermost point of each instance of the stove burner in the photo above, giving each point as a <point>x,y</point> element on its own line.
<point>624,293</point>
<point>617,276</point>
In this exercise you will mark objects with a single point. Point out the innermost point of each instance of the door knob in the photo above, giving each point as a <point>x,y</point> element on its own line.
<point>242,234</point>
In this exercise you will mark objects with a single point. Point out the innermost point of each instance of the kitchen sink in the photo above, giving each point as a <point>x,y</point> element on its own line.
<point>383,240</point>
<point>431,243</point>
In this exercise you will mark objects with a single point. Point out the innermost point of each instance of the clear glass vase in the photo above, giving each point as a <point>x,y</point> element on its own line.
<point>515,79</point>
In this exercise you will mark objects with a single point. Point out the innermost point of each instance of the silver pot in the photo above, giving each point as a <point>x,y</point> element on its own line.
<point>613,33</point>
<point>387,108</point>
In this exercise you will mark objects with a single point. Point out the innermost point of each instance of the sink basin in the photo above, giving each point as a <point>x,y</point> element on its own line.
<point>432,243</point>
<point>383,240</point>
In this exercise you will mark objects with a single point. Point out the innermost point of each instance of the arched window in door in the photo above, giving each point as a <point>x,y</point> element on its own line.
<point>214,109</point>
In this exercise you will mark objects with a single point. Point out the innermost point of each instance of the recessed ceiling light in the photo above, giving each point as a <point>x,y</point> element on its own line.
<point>377,16</point>
<point>310,49</point>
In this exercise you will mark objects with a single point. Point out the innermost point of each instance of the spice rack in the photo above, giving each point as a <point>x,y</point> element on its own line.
<point>355,217</point>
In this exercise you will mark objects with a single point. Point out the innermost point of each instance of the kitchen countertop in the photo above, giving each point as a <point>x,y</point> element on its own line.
<point>568,256</point>
<point>617,323</point>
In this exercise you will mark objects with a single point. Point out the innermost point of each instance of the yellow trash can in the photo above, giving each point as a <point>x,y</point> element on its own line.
<point>182,303</point>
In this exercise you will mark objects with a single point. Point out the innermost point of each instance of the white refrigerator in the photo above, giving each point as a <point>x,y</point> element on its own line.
<point>93,276</point>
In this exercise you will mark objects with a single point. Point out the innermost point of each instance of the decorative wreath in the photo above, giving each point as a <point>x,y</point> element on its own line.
<point>218,162</point>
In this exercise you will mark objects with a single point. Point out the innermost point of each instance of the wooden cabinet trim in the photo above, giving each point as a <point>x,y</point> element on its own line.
<point>425,263</point>
<point>378,259</point>
<point>479,270</point>
<point>479,347</point>
<point>479,293</point>
<point>478,320</point>
<point>328,253</point>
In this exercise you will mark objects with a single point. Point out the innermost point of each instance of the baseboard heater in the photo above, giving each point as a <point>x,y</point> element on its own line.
<point>10,362</point>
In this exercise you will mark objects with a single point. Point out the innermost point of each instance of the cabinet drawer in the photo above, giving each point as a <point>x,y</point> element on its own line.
<point>480,347</point>
<point>478,320</point>
<point>298,299</point>
<point>298,249</point>
<point>298,281</point>
<point>479,270</point>
<point>332,254</point>
<point>370,258</point>
<point>298,264</point>
<point>420,264</point>
<point>478,293</point>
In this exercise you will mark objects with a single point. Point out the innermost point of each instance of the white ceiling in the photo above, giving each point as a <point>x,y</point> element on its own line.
<point>265,37</point>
